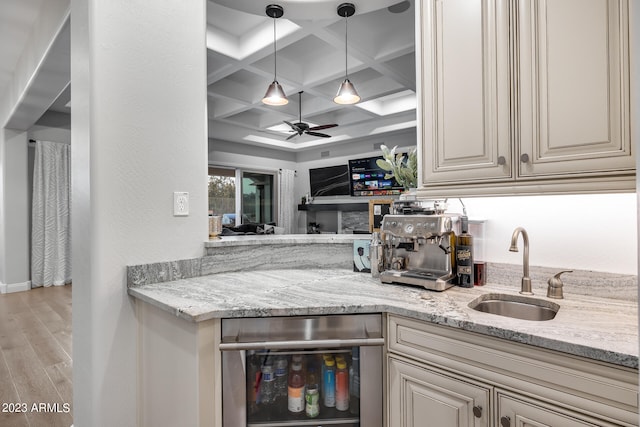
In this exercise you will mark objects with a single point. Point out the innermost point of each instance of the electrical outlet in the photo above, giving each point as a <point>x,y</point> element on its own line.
<point>180,203</point>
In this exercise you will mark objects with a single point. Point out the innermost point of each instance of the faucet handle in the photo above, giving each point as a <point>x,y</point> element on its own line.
<point>555,285</point>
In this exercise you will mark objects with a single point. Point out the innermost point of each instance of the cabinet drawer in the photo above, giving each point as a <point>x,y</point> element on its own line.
<point>598,388</point>
<point>516,411</point>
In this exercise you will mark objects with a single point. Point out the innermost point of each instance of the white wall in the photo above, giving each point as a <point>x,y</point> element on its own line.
<point>589,232</point>
<point>14,218</point>
<point>225,153</point>
<point>139,133</point>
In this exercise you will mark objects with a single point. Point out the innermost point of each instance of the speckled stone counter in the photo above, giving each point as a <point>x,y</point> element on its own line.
<point>598,328</point>
<point>260,252</point>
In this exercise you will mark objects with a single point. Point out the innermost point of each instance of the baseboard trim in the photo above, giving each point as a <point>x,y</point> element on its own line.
<point>15,287</point>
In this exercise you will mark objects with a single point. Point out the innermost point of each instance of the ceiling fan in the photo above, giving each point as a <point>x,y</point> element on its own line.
<point>300,127</point>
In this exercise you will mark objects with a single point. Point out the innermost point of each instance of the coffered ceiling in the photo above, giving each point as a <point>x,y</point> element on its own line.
<point>310,58</point>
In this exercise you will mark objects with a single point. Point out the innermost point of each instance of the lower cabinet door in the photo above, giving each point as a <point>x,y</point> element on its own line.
<point>521,412</point>
<point>422,397</point>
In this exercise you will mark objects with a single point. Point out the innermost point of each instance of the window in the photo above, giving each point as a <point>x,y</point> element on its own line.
<point>222,194</point>
<point>257,197</point>
<point>252,202</point>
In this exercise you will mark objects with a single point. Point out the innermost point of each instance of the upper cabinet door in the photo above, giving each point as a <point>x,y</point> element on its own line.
<point>573,88</point>
<point>463,78</point>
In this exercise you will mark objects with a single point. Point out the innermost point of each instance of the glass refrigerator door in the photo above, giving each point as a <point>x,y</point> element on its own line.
<point>310,387</point>
<point>302,371</point>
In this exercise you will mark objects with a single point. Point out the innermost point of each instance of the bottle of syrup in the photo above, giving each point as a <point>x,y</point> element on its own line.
<point>464,255</point>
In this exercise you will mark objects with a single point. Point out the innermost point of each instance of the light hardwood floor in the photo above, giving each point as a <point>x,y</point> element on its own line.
<point>35,358</point>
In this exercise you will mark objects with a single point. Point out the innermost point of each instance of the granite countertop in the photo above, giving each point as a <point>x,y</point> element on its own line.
<point>598,328</point>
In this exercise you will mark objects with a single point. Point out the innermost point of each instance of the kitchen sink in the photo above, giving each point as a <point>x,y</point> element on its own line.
<point>515,306</point>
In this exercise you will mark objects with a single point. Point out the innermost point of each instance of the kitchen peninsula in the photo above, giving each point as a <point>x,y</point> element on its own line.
<point>180,304</point>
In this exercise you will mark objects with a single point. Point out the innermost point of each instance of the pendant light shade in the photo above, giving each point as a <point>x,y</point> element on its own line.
<point>347,93</point>
<point>275,94</point>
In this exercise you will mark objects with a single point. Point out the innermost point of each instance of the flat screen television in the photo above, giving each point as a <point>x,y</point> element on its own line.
<point>367,179</point>
<point>329,181</point>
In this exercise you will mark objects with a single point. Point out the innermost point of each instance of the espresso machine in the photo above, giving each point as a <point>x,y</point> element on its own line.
<point>417,245</point>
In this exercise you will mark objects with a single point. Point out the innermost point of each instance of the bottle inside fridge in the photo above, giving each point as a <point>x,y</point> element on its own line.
<point>320,386</point>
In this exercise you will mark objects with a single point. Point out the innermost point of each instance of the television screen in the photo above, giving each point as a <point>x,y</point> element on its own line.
<point>329,181</point>
<point>367,179</point>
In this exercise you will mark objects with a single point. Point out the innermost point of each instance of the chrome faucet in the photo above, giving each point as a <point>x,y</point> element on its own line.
<point>526,280</point>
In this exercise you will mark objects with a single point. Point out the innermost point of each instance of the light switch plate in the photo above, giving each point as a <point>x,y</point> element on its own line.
<point>180,203</point>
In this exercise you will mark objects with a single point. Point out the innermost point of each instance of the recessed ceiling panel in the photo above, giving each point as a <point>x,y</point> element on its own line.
<point>306,61</point>
<point>242,85</point>
<point>221,108</point>
<point>232,21</point>
<point>404,66</point>
<point>250,118</point>
<point>381,33</point>
<point>344,116</point>
<point>217,63</point>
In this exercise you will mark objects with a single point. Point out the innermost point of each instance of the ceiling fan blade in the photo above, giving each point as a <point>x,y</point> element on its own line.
<point>293,126</point>
<point>321,135</point>
<point>291,136</point>
<point>321,127</point>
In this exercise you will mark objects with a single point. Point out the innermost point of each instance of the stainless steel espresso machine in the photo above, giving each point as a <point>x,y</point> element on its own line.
<point>418,245</point>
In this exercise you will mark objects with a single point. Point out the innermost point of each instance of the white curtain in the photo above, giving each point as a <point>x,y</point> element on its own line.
<point>286,202</point>
<point>51,219</point>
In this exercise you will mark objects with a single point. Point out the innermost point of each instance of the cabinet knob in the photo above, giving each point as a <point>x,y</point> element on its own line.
<point>502,161</point>
<point>505,421</point>
<point>477,411</point>
<point>524,158</point>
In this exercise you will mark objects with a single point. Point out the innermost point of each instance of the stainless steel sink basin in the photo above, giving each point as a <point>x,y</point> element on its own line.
<point>515,306</point>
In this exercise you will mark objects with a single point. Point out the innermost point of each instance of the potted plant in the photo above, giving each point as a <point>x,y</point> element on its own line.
<point>404,168</point>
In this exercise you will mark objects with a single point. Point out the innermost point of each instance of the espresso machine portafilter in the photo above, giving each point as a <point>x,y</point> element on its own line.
<point>419,249</point>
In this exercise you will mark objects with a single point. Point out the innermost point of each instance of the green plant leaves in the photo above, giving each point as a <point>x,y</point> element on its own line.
<point>404,168</point>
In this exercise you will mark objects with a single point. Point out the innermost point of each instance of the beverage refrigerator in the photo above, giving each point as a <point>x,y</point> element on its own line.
<point>303,371</point>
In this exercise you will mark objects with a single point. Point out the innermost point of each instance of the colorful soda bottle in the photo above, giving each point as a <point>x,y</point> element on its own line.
<point>312,398</point>
<point>342,386</point>
<point>295,401</point>
<point>329,383</point>
<point>323,372</point>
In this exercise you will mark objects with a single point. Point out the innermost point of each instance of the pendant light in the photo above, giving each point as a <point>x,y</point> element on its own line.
<point>347,93</point>
<point>275,94</point>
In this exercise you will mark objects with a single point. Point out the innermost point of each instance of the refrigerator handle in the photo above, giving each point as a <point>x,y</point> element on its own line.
<point>300,344</point>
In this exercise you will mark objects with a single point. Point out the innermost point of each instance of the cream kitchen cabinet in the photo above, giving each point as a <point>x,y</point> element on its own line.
<point>439,376</point>
<point>420,396</point>
<point>517,411</point>
<point>524,96</point>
